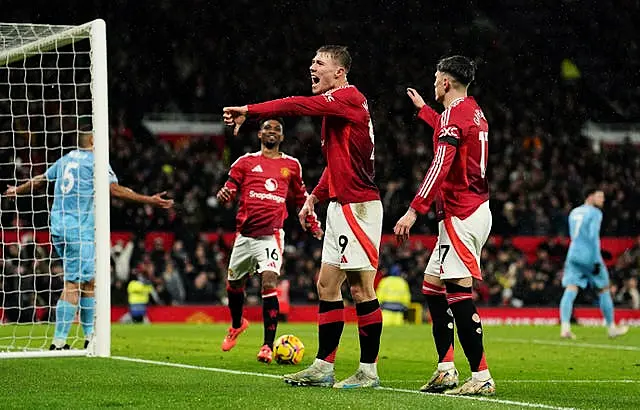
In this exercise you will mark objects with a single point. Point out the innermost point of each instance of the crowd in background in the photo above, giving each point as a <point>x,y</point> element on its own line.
<point>539,161</point>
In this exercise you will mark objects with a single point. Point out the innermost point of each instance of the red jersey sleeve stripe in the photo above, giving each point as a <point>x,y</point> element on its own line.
<point>434,171</point>
<point>462,251</point>
<point>361,236</point>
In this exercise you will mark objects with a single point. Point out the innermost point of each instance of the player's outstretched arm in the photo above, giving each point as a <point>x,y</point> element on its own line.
<point>129,194</point>
<point>317,105</point>
<point>334,104</point>
<point>234,117</point>
<point>29,186</point>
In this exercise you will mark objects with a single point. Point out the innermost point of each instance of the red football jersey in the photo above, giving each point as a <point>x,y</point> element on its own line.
<point>457,176</point>
<point>347,141</point>
<point>264,185</point>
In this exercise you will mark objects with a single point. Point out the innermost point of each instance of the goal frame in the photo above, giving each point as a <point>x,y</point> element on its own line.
<point>95,32</point>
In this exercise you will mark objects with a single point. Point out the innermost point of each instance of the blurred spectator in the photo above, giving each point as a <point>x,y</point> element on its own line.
<point>139,291</point>
<point>173,282</point>
<point>539,159</point>
<point>121,255</point>
<point>202,290</point>
<point>394,296</point>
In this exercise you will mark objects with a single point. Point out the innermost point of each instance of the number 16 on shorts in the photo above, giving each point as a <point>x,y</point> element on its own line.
<point>259,254</point>
<point>270,254</point>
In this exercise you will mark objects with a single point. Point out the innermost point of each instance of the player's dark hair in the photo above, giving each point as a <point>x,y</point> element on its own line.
<point>338,53</point>
<point>461,68</point>
<point>590,191</point>
<point>278,119</point>
<point>84,133</point>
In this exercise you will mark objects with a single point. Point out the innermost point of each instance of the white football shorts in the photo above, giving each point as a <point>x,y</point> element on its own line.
<point>260,254</point>
<point>460,242</point>
<point>352,235</point>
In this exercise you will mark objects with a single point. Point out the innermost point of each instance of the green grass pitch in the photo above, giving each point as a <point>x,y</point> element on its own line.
<point>532,367</point>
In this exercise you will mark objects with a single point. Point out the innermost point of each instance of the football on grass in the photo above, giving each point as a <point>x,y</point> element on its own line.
<point>288,349</point>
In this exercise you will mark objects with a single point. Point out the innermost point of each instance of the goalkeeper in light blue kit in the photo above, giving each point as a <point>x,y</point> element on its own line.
<point>72,231</point>
<point>584,264</point>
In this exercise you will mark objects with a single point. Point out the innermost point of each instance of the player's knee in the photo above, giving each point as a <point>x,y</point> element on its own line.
<point>269,280</point>
<point>87,290</point>
<point>357,292</point>
<point>70,296</point>
<point>327,288</point>
<point>361,293</point>
<point>71,292</point>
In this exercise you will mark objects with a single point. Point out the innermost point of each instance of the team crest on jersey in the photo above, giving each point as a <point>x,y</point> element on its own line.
<point>270,184</point>
<point>285,172</point>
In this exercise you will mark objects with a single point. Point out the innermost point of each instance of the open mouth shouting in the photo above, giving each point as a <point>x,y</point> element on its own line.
<point>315,81</point>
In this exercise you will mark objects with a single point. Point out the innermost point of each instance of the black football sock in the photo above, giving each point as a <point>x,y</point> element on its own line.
<point>236,304</point>
<point>369,330</point>
<point>468,323</point>
<point>442,321</point>
<point>330,326</point>
<point>270,311</point>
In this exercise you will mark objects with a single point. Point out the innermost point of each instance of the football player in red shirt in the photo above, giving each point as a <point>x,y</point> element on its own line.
<point>263,181</point>
<point>354,213</point>
<point>457,181</point>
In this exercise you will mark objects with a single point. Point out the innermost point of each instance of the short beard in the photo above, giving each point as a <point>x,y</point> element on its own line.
<point>269,144</point>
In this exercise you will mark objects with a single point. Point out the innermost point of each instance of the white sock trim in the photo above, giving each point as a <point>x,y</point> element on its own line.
<point>370,369</point>
<point>444,366</point>
<point>481,376</point>
<point>323,364</point>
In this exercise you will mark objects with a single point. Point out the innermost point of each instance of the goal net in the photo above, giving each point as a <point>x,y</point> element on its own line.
<point>53,83</point>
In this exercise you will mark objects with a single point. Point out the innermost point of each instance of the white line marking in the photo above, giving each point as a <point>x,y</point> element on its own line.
<point>478,398</point>
<point>188,366</point>
<point>524,381</point>
<point>566,344</point>
<point>568,381</point>
<point>275,376</point>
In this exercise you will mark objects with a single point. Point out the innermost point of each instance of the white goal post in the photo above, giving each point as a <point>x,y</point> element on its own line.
<point>53,80</point>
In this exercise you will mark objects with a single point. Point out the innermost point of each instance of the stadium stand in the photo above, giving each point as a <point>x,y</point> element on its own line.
<point>535,94</point>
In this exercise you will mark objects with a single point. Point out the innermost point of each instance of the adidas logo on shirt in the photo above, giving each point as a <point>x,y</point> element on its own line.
<point>257,168</point>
